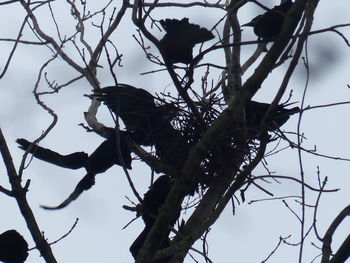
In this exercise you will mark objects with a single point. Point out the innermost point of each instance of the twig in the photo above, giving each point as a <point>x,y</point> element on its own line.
<point>65,235</point>
<point>205,4</point>
<point>281,241</point>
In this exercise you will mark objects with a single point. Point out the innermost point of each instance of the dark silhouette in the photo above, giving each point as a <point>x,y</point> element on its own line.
<point>140,240</point>
<point>13,247</point>
<point>72,161</point>
<point>268,25</point>
<point>180,38</point>
<point>103,158</point>
<point>153,199</point>
<point>255,112</point>
<point>144,120</point>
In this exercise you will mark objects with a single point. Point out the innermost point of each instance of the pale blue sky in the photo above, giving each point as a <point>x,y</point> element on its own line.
<point>252,233</point>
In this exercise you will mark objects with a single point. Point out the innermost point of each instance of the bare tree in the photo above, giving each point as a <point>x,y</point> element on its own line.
<point>217,135</point>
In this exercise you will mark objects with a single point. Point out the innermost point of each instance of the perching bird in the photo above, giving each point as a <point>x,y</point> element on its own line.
<point>134,106</point>
<point>146,122</point>
<point>13,247</point>
<point>103,158</point>
<point>140,240</point>
<point>268,25</point>
<point>143,119</point>
<point>255,112</point>
<point>180,38</point>
<point>153,199</point>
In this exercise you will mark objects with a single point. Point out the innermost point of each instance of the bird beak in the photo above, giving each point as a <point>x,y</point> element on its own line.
<point>251,24</point>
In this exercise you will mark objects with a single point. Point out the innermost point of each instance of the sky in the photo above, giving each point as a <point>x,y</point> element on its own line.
<point>249,235</point>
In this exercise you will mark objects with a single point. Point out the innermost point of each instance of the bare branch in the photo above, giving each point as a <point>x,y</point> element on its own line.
<point>205,4</point>
<point>343,253</point>
<point>47,38</point>
<point>19,193</point>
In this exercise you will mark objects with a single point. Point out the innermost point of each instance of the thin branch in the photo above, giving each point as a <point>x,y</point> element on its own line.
<point>8,2</point>
<point>293,212</point>
<point>333,29</point>
<point>107,34</point>
<point>45,107</point>
<point>317,205</point>
<point>19,35</point>
<point>281,241</point>
<point>205,4</point>
<point>23,41</point>
<point>309,19</point>
<point>66,234</point>
<point>273,199</point>
<point>49,39</point>
<point>296,180</point>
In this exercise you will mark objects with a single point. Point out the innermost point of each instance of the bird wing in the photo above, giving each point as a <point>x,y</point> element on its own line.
<point>182,30</point>
<point>125,98</point>
<point>136,107</point>
<point>106,155</point>
<point>72,161</point>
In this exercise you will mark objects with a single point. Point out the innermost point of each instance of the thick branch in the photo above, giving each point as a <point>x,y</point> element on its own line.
<point>292,19</point>
<point>327,240</point>
<point>343,252</point>
<point>232,55</point>
<point>19,193</point>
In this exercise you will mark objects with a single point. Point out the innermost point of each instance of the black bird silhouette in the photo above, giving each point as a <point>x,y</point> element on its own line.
<point>134,106</point>
<point>180,38</point>
<point>144,120</point>
<point>268,25</point>
<point>13,247</point>
<point>103,158</point>
<point>140,240</point>
<point>153,199</point>
<point>255,112</point>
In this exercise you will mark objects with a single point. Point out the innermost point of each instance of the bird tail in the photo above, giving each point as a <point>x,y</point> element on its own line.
<point>72,161</point>
<point>84,184</point>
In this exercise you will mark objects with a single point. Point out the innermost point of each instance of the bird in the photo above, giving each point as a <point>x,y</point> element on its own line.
<point>268,25</point>
<point>145,121</point>
<point>140,240</point>
<point>13,247</point>
<point>255,112</point>
<point>103,158</point>
<point>153,199</point>
<point>180,38</point>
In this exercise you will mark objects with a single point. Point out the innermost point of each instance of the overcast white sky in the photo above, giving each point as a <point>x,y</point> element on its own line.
<point>253,232</point>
